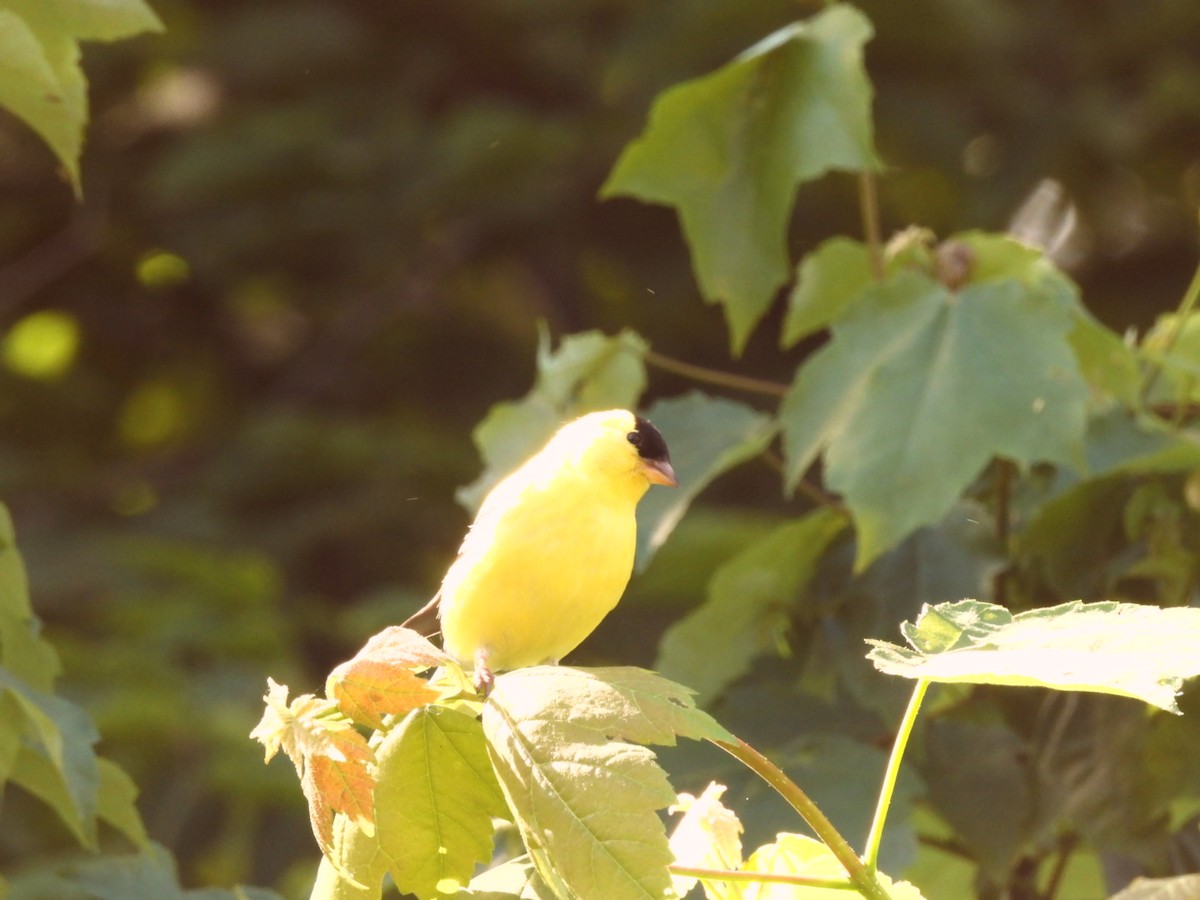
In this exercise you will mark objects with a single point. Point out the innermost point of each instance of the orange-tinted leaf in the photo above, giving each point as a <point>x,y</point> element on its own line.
<point>334,762</point>
<point>382,678</point>
<point>342,779</point>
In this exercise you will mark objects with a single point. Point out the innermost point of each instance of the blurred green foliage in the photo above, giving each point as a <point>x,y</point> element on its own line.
<point>315,242</point>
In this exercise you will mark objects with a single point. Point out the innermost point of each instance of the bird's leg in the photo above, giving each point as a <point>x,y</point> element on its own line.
<point>484,679</point>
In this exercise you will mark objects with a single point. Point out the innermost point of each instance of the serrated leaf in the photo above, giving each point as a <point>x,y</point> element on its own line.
<point>436,798</point>
<point>516,879</point>
<point>354,867</point>
<point>334,762</point>
<point>827,280</point>
<point>749,606</point>
<point>23,652</point>
<point>797,854</point>
<point>56,761</point>
<point>1107,363</point>
<point>1142,652</point>
<point>1180,887</point>
<point>919,388</point>
<point>585,800</point>
<point>707,437</point>
<point>707,836</point>
<point>42,83</point>
<point>729,149</point>
<point>589,371</point>
<point>116,804</point>
<point>88,20</point>
<point>382,678</point>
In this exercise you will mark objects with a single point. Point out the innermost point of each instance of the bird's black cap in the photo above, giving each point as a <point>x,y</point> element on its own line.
<point>649,441</point>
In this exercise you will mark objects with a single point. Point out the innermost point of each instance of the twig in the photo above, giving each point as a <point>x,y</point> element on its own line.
<point>763,877</point>
<point>715,376</point>
<point>868,201</point>
<point>861,877</point>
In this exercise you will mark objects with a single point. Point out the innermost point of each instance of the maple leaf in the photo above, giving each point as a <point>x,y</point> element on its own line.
<point>382,677</point>
<point>333,760</point>
<point>708,836</point>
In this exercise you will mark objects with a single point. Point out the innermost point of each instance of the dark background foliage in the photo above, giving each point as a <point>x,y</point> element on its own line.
<point>316,240</point>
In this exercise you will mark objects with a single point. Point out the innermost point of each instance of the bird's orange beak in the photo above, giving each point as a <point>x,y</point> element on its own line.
<point>659,473</point>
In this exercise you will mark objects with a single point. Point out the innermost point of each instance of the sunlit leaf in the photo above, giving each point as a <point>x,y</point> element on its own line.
<point>707,436</point>
<point>797,854</point>
<point>88,20</point>
<point>585,799</point>
<point>42,83</point>
<point>729,149</point>
<point>749,606</point>
<point>1143,652</point>
<point>516,879</point>
<point>920,388</point>
<point>1180,887</point>
<point>589,371</point>
<point>707,836</point>
<point>382,678</point>
<point>436,798</point>
<point>333,760</point>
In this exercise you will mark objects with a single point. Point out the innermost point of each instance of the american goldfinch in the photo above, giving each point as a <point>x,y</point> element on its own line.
<point>551,549</point>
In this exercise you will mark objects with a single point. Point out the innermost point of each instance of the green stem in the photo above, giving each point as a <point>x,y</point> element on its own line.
<point>861,877</point>
<point>715,376</point>
<point>1190,296</point>
<point>875,835</point>
<point>868,202</point>
<point>762,877</point>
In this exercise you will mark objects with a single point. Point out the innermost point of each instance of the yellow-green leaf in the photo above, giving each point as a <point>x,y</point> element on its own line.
<point>1143,652</point>
<point>435,801</point>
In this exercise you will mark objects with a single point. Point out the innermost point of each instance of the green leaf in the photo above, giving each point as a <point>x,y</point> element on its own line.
<point>145,876</point>
<point>434,801</point>
<point>749,606</point>
<point>707,436</point>
<point>1108,364</point>
<point>1181,887</point>
<point>115,803</point>
<point>585,800</point>
<point>1082,523</point>
<point>798,854</point>
<point>22,651</point>
<point>920,388</point>
<point>88,20</point>
<point>729,149</point>
<point>827,280</point>
<point>1124,649</point>
<point>516,879</point>
<point>589,371</point>
<point>56,762</point>
<point>42,83</point>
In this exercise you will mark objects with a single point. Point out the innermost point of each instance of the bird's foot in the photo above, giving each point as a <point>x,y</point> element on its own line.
<point>484,679</point>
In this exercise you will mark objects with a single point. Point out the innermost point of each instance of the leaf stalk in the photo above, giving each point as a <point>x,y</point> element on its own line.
<point>862,878</point>
<point>836,884</point>
<point>892,773</point>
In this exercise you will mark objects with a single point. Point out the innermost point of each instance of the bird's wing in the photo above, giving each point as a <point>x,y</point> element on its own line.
<point>425,620</point>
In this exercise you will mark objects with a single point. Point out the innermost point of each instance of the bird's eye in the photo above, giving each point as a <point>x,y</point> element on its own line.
<point>634,438</point>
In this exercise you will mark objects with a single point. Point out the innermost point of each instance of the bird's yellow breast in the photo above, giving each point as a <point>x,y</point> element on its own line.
<point>548,557</point>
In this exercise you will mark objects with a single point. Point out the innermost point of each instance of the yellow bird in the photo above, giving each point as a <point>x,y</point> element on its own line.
<point>551,549</point>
